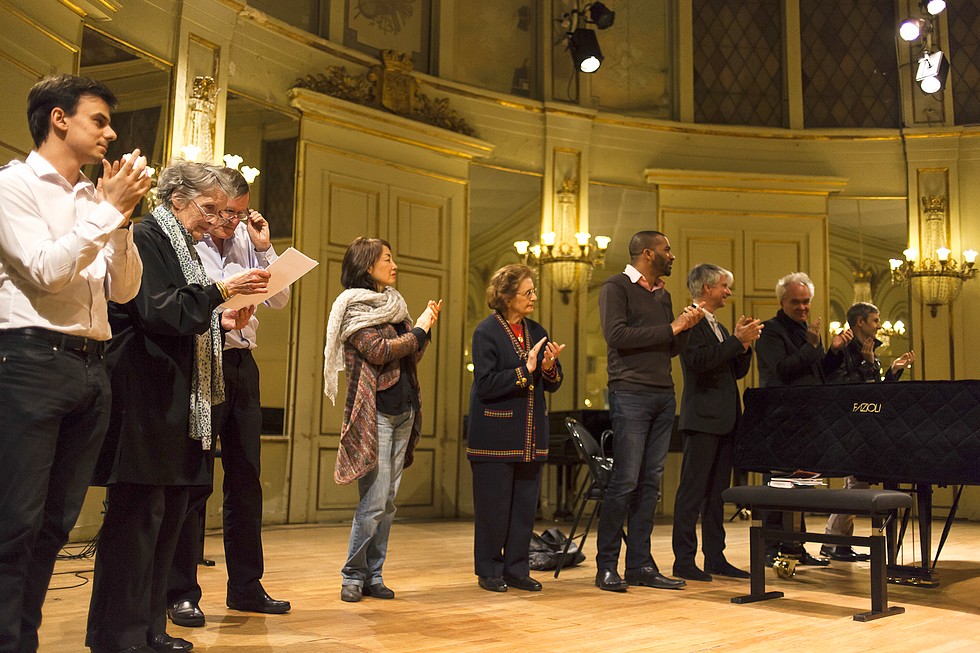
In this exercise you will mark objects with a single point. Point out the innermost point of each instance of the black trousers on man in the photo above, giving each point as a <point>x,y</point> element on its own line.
<point>54,411</point>
<point>706,471</point>
<point>238,424</point>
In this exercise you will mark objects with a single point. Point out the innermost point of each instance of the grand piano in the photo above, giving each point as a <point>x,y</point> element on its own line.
<point>917,433</point>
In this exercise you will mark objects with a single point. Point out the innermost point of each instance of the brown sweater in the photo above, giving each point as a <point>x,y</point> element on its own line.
<point>639,340</point>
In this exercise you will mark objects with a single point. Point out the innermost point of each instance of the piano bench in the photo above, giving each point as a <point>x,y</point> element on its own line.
<point>878,504</point>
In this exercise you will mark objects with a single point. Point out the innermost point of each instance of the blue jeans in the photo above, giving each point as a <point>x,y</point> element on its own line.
<point>642,424</point>
<point>372,521</point>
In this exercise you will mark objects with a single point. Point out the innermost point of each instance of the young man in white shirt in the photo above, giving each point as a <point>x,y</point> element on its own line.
<point>65,250</point>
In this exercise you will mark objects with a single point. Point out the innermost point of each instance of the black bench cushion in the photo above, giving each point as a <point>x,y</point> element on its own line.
<point>864,502</point>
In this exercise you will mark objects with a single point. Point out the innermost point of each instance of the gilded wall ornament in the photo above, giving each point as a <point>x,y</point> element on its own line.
<point>390,86</point>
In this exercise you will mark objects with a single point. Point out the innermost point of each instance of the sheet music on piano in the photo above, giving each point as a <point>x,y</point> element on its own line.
<point>799,478</point>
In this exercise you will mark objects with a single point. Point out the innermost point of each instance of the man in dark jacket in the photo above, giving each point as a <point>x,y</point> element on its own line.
<point>642,335</point>
<point>712,363</point>
<point>791,352</point>
<point>859,364</point>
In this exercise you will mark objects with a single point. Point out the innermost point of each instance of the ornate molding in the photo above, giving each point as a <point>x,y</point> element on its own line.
<point>390,86</point>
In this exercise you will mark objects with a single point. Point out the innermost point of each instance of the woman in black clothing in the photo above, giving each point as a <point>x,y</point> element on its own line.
<point>165,366</point>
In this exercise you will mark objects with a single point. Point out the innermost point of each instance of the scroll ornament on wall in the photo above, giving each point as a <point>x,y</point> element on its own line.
<point>391,87</point>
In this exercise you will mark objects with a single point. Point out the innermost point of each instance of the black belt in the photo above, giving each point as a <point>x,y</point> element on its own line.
<point>58,340</point>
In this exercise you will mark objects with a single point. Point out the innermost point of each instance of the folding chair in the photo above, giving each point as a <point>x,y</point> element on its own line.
<point>593,487</point>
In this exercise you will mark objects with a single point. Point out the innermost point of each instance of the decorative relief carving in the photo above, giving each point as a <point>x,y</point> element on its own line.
<point>390,86</point>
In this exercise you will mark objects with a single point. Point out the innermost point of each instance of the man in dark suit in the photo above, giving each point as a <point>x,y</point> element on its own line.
<point>712,363</point>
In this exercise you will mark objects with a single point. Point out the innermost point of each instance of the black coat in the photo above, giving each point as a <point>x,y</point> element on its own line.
<point>150,359</point>
<point>787,358</point>
<point>710,402</point>
<point>508,412</point>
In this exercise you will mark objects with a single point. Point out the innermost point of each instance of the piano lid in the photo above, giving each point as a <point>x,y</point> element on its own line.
<point>915,431</point>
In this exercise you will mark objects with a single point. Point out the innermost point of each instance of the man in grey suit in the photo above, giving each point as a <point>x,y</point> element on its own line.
<point>712,363</point>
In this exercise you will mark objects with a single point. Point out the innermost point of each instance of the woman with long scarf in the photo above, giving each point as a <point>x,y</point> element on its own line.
<point>165,369</point>
<point>370,336</point>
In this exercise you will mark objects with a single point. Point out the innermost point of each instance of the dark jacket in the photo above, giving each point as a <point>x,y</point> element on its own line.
<point>710,402</point>
<point>508,412</point>
<point>150,359</point>
<point>786,358</point>
<point>855,368</point>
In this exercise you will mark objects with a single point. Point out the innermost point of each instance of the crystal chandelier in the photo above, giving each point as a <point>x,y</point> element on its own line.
<point>936,277</point>
<point>567,255</point>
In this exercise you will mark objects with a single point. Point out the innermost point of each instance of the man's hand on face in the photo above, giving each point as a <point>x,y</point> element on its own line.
<point>258,231</point>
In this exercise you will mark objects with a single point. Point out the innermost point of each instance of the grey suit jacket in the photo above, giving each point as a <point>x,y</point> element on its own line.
<point>710,402</point>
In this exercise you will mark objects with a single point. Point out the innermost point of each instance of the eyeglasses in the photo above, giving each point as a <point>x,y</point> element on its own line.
<point>218,218</point>
<point>530,293</point>
<point>230,215</point>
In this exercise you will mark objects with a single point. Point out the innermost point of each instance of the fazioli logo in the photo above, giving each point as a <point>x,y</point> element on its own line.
<point>866,408</point>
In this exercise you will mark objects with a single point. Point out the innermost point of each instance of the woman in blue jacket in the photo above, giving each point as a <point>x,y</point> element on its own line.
<point>513,365</point>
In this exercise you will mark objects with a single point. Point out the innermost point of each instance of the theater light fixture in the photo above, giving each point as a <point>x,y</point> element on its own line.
<point>584,47</point>
<point>932,71</point>
<point>603,17</point>
<point>581,41</point>
<point>933,65</point>
<point>911,29</point>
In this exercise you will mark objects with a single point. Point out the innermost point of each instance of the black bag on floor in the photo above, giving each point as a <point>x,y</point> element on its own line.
<point>546,549</point>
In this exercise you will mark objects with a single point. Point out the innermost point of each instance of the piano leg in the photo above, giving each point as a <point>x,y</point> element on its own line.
<point>923,574</point>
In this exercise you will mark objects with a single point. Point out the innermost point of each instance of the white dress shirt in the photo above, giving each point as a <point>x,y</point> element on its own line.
<point>713,323</point>
<point>239,254</point>
<point>62,255</point>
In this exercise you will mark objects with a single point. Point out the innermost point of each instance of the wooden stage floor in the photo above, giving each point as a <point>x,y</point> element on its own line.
<point>439,606</point>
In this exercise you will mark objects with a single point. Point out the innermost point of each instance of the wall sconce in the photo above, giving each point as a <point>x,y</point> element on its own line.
<point>568,257</point>
<point>936,278</point>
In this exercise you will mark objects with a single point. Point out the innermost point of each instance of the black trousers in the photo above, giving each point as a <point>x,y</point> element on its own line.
<point>54,411</point>
<point>505,502</point>
<point>238,424</point>
<point>706,472</point>
<point>136,548</point>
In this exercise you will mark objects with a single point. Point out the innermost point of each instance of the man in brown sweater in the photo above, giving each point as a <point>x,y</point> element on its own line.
<point>642,336</point>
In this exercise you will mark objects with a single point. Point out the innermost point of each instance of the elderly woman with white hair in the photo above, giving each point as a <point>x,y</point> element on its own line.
<point>165,368</point>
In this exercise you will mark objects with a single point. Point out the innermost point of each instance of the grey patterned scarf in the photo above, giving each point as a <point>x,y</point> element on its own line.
<point>207,381</point>
<point>355,309</point>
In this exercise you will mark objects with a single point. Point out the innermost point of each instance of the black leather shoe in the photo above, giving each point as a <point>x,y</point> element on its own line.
<point>527,583</point>
<point>609,580</point>
<point>186,613</point>
<point>843,554</point>
<point>164,643</point>
<point>724,568</point>
<point>493,583</point>
<point>378,591</point>
<point>651,577</point>
<point>258,602</point>
<point>807,559</point>
<point>691,572</point>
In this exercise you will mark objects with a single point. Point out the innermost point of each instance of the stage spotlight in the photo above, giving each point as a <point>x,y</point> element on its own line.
<point>911,29</point>
<point>933,7</point>
<point>584,46</point>
<point>602,16</point>
<point>932,71</point>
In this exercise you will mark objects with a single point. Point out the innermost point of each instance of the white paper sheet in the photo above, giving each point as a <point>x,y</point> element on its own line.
<point>290,266</point>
